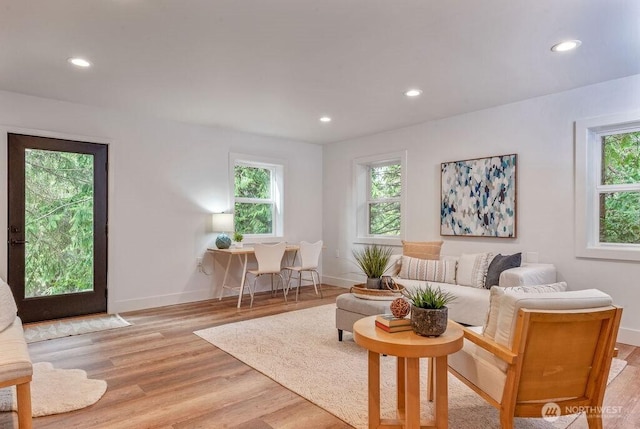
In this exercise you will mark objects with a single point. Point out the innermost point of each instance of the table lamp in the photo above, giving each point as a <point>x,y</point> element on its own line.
<point>222,222</point>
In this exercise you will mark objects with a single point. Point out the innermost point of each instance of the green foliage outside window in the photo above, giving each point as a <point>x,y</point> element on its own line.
<point>58,222</point>
<point>253,207</point>
<point>384,206</point>
<point>620,210</point>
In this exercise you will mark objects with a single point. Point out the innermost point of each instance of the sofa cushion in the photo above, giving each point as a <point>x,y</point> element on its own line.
<point>511,303</point>
<point>499,264</point>
<point>428,270</point>
<point>496,294</point>
<point>528,274</point>
<point>470,305</point>
<point>472,269</point>
<point>8,309</point>
<point>422,249</point>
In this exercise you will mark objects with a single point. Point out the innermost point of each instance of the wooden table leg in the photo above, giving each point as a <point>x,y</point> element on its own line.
<point>400,377</point>
<point>244,275</point>
<point>442,393</point>
<point>374,390</point>
<point>226,274</point>
<point>430,372</point>
<point>412,392</point>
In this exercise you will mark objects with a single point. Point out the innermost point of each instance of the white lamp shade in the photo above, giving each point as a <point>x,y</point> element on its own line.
<point>222,222</point>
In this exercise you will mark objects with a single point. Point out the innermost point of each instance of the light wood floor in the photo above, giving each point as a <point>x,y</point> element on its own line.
<point>162,376</point>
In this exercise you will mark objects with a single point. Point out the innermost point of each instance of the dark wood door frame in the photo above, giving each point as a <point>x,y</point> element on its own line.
<point>45,308</point>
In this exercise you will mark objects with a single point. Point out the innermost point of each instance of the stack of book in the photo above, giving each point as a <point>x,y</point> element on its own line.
<point>388,323</point>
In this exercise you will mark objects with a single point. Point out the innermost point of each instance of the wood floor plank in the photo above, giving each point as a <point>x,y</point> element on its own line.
<point>162,376</point>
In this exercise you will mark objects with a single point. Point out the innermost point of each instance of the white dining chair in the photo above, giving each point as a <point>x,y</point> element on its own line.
<point>309,260</point>
<point>269,258</point>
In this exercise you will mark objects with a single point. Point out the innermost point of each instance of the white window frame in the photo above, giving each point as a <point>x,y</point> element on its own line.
<point>588,159</point>
<point>362,187</point>
<point>277,168</point>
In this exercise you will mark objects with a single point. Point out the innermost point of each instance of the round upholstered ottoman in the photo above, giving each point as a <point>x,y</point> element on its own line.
<point>350,308</point>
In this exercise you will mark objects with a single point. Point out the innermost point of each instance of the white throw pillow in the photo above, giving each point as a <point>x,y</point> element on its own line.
<point>472,269</point>
<point>428,270</point>
<point>8,309</point>
<point>498,292</point>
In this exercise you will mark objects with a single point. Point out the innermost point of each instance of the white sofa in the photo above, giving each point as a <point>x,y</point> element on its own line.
<point>470,306</point>
<point>472,303</point>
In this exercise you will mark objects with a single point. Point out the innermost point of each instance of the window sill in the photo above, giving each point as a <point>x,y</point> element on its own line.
<point>612,252</point>
<point>383,241</point>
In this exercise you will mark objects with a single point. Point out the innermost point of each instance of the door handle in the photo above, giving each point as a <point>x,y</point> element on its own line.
<point>15,242</point>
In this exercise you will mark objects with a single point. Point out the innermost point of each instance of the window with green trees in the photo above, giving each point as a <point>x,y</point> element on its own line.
<point>256,198</point>
<point>58,222</point>
<point>383,202</point>
<point>619,189</point>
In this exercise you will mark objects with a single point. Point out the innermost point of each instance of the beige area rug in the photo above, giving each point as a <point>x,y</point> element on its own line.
<point>55,391</point>
<point>300,350</point>
<point>68,327</point>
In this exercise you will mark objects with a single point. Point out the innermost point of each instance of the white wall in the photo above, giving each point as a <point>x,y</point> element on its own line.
<point>540,131</point>
<point>165,178</point>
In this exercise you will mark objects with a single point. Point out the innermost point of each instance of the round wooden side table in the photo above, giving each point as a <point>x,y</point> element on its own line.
<point>408,347</point>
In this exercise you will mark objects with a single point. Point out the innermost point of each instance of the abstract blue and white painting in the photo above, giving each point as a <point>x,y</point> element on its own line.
<point>479,197</point>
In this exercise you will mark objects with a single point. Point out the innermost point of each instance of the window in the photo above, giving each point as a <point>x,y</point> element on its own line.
<point>619,188</point>
<point>608,188</point>
<point>257,196</point>
<point>380,187</point>
<point>383,198</point>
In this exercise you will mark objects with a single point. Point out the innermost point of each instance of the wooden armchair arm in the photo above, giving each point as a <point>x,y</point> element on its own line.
<point>491,346</point>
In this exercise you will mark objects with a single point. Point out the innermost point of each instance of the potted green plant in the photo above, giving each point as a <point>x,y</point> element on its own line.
<point>429,312</point>
<point>373,260</point>
<point>237,237</point>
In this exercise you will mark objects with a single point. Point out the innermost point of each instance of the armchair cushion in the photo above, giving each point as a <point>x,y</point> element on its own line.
<point>496,294</point>
<point>480,367</point>
<point>571,300</point>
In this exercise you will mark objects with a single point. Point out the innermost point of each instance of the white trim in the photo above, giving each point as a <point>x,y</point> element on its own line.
<point>360,187</point>
<point>629,336</point>
<point>588,134</point>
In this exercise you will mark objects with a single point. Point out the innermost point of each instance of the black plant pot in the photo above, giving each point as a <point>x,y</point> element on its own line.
<point>429,322</point>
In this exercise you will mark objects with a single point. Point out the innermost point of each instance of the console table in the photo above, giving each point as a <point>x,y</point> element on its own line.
<point>408,347</point>
<point>243,256</point>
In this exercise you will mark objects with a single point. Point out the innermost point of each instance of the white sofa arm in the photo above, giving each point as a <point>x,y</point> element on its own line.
<point>528,274</point>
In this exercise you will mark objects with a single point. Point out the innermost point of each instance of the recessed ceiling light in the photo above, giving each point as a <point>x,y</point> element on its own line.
<point>325,119</point>
<point>567,45</point>
<point>413,92</point>
<point>79,62</point>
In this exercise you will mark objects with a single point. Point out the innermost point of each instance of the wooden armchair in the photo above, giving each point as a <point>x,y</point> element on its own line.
<point>550,355</point>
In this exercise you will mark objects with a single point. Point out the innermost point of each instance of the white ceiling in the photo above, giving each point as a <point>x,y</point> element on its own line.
<point>275,66</point>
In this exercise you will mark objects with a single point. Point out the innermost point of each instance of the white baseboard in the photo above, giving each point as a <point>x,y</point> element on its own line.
<point>629,336</point>
<point>159,301</point>
<point>338,281</point>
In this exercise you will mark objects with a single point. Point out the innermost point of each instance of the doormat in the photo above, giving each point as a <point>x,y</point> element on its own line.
<point>67,327</point>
